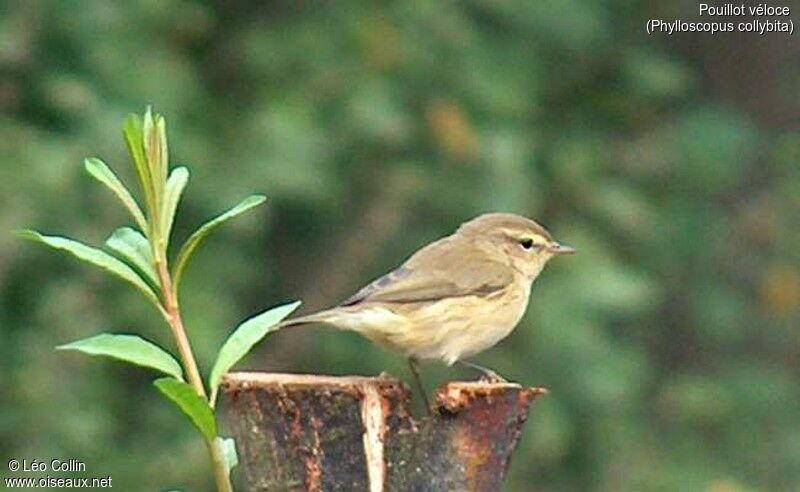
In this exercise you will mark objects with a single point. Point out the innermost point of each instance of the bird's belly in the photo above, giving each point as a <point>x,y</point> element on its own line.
<point>450,329</point>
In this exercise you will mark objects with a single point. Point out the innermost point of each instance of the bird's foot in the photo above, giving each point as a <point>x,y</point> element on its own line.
<point>491,377</point>
<point>487,375</point>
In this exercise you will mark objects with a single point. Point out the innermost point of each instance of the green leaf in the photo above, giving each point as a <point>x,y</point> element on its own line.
<point>102,173</point>
<point>128,348</point>
<point>194,241</point>
<point>133,246</point>
<point>175,185</point>
<point>95,257</point>
<point>193,405</point>
<point>244,337</point>
<point>154,139</point>
<point>134,137</point>
<point>227,447</point>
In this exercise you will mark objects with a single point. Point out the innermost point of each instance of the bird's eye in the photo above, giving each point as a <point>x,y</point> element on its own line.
<point>526,243</point>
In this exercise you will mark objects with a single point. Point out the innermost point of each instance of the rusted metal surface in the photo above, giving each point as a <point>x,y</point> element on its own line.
<point>320,433</point>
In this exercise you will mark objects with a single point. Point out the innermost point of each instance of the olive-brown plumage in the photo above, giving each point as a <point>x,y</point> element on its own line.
<point>455,297</point>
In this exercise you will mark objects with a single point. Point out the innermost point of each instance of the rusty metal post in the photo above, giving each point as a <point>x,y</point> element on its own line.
<point>320,433</point>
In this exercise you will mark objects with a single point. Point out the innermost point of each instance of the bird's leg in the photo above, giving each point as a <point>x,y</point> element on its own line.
<point>412,364</point>
<point>487,375</point>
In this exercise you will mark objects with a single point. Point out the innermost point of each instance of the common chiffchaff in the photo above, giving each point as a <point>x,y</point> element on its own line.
<point>453,298</point>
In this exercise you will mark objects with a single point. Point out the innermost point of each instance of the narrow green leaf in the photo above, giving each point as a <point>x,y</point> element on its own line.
<point>131,245</point>
<point>194,241</point>
<point>163,149</point>
<point>128,348</point>
<point>134,137</point>
<point>244,337</point>
<point>132,131</point>
<point>227,447</point>
<point>172,195</point>
<point>95,257</point>
<point>154,139</point>
<point>101,172</point>
<point>193,405</point>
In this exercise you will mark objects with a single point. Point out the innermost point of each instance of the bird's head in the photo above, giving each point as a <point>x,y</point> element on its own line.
<point>515,240</point>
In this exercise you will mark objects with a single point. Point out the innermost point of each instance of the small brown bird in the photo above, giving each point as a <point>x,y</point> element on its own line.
<point>453,298</point>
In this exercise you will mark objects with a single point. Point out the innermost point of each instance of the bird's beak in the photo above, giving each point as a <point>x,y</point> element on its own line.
<point>560,249</point>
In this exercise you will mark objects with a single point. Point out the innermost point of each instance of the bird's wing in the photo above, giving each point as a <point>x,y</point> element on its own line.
<point>436,273</point>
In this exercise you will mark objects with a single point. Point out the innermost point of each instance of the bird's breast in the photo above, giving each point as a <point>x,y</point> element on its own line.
<point>456,328</point>
<point>447,329</point>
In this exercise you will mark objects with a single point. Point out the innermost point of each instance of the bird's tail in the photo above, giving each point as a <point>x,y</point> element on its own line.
<point>319,317</point>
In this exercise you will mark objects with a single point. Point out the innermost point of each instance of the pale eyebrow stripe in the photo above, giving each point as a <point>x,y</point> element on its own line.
<point>517,234</point>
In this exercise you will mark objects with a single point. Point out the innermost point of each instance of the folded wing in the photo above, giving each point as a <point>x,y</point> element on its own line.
<point>436,273</point>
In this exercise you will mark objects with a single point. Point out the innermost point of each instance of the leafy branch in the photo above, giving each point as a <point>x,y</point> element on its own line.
<point>139,257</point>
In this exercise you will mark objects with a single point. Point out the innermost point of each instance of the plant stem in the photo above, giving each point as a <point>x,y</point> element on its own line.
<point>175,322</point>
<point>172,314</point>
<point>212,400</point>
<point>221,474</point>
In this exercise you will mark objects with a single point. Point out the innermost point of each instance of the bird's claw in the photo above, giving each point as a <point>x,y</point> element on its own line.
<point>491,377</point>
<point>487,375</point>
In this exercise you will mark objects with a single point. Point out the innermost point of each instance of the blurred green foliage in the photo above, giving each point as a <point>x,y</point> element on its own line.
<point>670,343</point>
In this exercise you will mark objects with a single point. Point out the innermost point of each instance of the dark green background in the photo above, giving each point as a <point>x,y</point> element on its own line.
<point>670,343</point>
